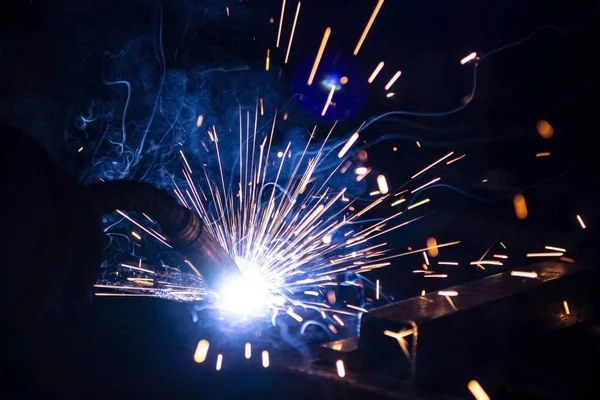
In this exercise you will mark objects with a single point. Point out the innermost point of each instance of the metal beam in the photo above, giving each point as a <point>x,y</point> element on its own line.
<point>425,337</point>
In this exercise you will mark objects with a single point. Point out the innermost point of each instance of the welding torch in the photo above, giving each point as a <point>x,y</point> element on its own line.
<point>52,239</point>
<point>183,229</point>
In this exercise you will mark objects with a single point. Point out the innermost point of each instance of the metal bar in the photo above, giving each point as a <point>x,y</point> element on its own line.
<point>485,317</point>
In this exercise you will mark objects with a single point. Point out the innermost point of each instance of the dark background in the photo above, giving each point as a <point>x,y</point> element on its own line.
<point>55,56</point>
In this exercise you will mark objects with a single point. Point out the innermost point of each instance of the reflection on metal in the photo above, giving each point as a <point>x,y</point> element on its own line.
<point>486,317</point>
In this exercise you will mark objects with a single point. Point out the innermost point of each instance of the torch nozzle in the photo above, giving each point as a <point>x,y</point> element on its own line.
<point>207,255</point>
<point>183,229</point>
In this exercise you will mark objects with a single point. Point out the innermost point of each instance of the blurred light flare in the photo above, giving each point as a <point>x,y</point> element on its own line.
<point>201,351</point>
<point>520,206</point>
<point>544,128</point>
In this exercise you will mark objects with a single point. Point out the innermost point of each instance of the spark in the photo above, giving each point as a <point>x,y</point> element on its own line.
<point>542,154</point>
<point>280,23</point>
<point>566,307</point>
<point>447,262</point>
<point>520,206</point>
<point>219,362</point>
<point>433,251</point>
<point>377,289</point>
<point>201,351</point>
<point>468,58</point>
<point>268,60</point>
<point>395,203</point>
<point>449,300</point>
<point>581,223</point>
<point>148,218</point>
<point>265,359</point>
<point>136,235</point>
<point>400,336</point>
<point>524,274</point>
<point>338,320</point>
<point>477,391</point>
<point>287,54</point>
<point>425,185</point>
<point>248,351</point>
<point>155,235</point>
<point>448,293</point>
<point>348,144</point>
<point>553,254</point>
<point>455,159</point>
<point>554,248</point>
<point>328,102</point>
<point>393,80</point>
<point>432,164</point>
<point>368,27</point>
<point>292,314</point>
<point>417,204</point>
<point>382,184</point>
<point>545,129</point>
<point>318,59</point>
<point>375,72</point>
<point>185,161</point>
<point>137,268</point>
<point>341,370</point>
<point>486,262</point>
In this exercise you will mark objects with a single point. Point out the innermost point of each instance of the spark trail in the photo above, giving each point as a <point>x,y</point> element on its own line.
<point>291,229</point>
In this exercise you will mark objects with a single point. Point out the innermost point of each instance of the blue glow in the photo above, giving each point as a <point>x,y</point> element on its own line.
<point>331,80</point>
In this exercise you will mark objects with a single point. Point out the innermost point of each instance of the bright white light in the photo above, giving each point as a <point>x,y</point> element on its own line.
<point>251,294</point>
<point>247,295</point>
